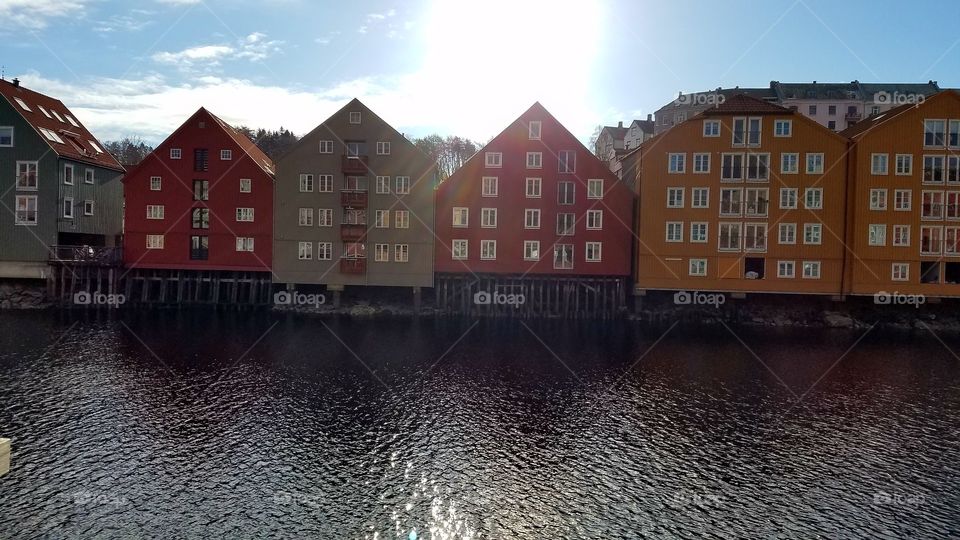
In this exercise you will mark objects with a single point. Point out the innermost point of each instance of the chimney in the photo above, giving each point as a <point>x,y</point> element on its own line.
<point>16,82</point>
<point>649,118</point>
<point>620,124</point>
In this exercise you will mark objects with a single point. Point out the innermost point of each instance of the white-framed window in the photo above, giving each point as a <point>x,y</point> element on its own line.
<point>401,253</point>
<point>226,155</point>
<point>534,160</point>
<point>953,135</point>
<point>381,219</point>
<point>933,132</point>
<point>461,216</point>
<point>931,240</point>
<point>531,218</point>
<point>26,210</point>
<point>306,183</point>
<point>245,214</point>
<point>677,163</point>
<point>244,243</point>
<point>932,205</point>
<point>674,231</point>
<point>566,161</point>
<point>246,185</point>
<point>68,174</point>
<point>902,199</point>
<point>531,250</point>
<point>729,237</point>
<point>788,233</point>
<point>533,188</point>
<point>953,169</point>
<point>698,232</point>
<point>811,269</point>
<point>325,183</point>
<point>877,234</point>
<point>88,207</point>
<point>354,117</point>
<point>879,164</point>
<point>533,130</point>
<point>305,251</point>
<point>493,159</point>
<point>67,208</point>
<point>155,211</point>
<point>566,224</point>
<point>566,193</point>
<point>594,220</point>
<point>401,219</point>
<point>403,185</point>
<point>381,253</point>
<point>755,236</point>
<point>593,252</point>
<point>305,217</point>
<point>700,197</point>
<point>594,188</point>
<point>731,167</point>
<point>697,267</point>
<point>383,185</point>
<point>933,169</point>
<point>746,131</point>
<point>731,201</point>
<point>701,163</point>
<point>459,250</point>
<point>488,250</point>
<point>900,271</point>
<point>814,163</point>
<point>782,128</point>
<point>901,235</point>
<point>812,233</point>
<point>813,198</point>
<point>563,256</point>
<point>154,241</point>
<point>711,128</point>
<point>675,197</point>
<point>757,201</point>
<point>786,269</point>
<point>789,163</point>
<point>325,217</point>
<point>758,167</point>
<point>488,218</point>
<point>383,148</point>
<point>175,153</point>
<point>489,186</point>
<point>878,199</point>
<point>324,251</point>
<point>6,136</point>
<point>326,147</point>
<point>89,176</point>
<point>155,183</point>
<point>27,175</point>
<point>904,165</point>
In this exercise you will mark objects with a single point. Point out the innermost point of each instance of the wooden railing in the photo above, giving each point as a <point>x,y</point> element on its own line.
<point>109,256</point>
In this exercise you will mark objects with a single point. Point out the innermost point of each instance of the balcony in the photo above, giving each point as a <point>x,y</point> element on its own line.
<point>353,232</point>
<point>92,255</point>
<point>852,117</point>
<point>353,266</point>
<point>353,199</point>
<point>354,164</point>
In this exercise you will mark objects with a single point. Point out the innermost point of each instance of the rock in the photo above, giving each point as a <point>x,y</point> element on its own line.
<point>837,320</point>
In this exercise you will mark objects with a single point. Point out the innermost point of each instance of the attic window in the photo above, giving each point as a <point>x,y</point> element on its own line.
<point>354,117</point>
<point>58,117</point>
<point>51,136</point>
<point>96,147</point>
<point>44,111</point>
<point>22,104</point>
<point>72,121</point>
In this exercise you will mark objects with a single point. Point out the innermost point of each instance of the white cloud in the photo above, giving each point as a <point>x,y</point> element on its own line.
<point>35,14</point>
<point>209,54</point>
<point>137,19</point>
<point>255,47</point>
<point>179,2</point>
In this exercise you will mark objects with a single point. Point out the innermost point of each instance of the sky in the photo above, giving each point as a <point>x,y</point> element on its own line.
<point>467,68</point>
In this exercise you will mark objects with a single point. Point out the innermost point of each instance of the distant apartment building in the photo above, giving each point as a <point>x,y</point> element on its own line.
<point>904,218</point>
<point>747,197</point>
<point>354,206</point>
<point>58,185</point>
<point>202,200</point>
<point>614,143</point>
<point>686,106</point>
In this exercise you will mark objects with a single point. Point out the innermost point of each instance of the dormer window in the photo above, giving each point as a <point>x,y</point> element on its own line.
<point>354,117</point>
<point>57,116</point>
<point>22,104</point>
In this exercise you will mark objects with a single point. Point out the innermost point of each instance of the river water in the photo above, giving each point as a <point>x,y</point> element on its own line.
<point>197,424</point>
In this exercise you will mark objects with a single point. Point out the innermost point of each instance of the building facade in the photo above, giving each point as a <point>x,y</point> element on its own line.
<point>747,197</point>
<point>59,185</point>
<point>202,200</point>
<point>354,206</point>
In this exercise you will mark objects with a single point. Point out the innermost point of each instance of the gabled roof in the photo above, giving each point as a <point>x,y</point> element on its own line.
<point>817,90</point>
<point>868,124</point>
<point>57,126</point>
<point>744,104</point>
<point>616,132</point>
<point>646,126</point>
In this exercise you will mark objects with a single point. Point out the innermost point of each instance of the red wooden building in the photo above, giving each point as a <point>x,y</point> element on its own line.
<point>534,213</point>
<point>202,200</point>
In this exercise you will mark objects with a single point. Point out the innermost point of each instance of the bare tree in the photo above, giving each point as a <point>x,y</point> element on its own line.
<point>450,152</point>
<point>129,151</point>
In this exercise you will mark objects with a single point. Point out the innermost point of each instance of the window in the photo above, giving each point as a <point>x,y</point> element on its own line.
<point>23,104</point>
<point>878,199</point>
<point>933,169</point>
<point>563,256</point>
<point>325,217</point>
<point>814,163</point>
<point>325,183</point>
<point>811,269</point>
<point>489,186</point>
<point>567,161</point>
<point>354,217</point>
<point>729,239</point>
<point>877,235</point>
<point>594,188</point>
<point>700,197</point>
<point>201,190</point>
<point>6,136</point>
<point>698,267</point>
<point>788,198</point>
<point>812,233</point>
<point>534,160</point>
<point>951,240</point>
<point>57,116</point>
<point>244,243</point>
<point>154,241</point>
<point>305,251</point>
<point>565,193</point>
<point>674,231</point>
<point>201,160</point>
<point>383,148</point>
<point>493,159</point>
<point>401,253</point>
<point>731,168</point>
<point>566,224</point>
<point>245,214</point>
<point>932,205</point>
<point>531,218</point>
<point>746,129</point>
<point>306,183</point>
<point>326,147</point>
<point>488,250</point>
<point>26,175</point>
<point>354,183</point>
<point>68,208</point>
<point>461,216</point>
<point>324,251</point>
<point>755,236</point>
<point>459,251</point>
<point>782,128</point>
<point>594,220</point>
<point>678,163</point>
<point>698,232</point>
<point>155,183</point>
<point>701,163</point>
<point>354,117</point>
<point>305,217</point>
<point>951,209</point>
<point>72,120</point>
<point>953,139</point>
<point>789,163</point>
<point>88,176</point>
<point>403,185</point>
<point>901,235</point>
<point>813,198</point>
<point>68,175</point>
<point>533,188</point>
<point>533,130</point>
<point>175,153</point>
<point>246,185</point>
<point>531,250</point>
<point>739,129</point>
<point>788,233</point>
<point>933,132</point>
<point>593,252</point>
<point>812,110</point>
<point>904,164</point>
<point>200,218</point>
<point>786,269</point>
<point>381,219</point>
<point>900,272</point>
<point>199,247</point>
<point>953,169</point>
<point>383,185</point>
<point>51,135</point>
<point>878,164</point>
<point>26,210</point>
<point>931,240</point>
<point>711,128</point>
<point>902,199</point>
<point>675,197</point>
<point>401,219</point>
<point>758,167</point>
<point>154,211</point>
<point>832,110</point>
<point>730,201</point>
<point>226,155</point>
<point>381,253</point>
